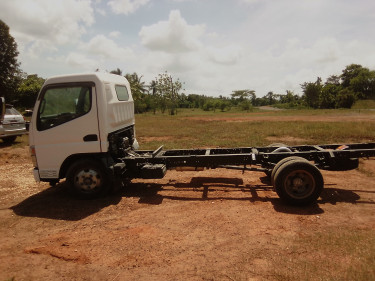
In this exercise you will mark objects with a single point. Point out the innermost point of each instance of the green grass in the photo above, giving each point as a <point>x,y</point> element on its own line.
<point>210,130</point>
<point>364,104</point>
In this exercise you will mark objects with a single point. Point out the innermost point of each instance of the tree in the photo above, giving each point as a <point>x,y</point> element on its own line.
<point>345,98</point>
<point>138,87</point>
<point>138,90</point>
<point>240,96</point>
<point>246,105</point>
<point>117,71</point>
<point>350,72</point>
<point>168,92</point>
<point>152,87</point>
<point>360,80</point>
<point>10,73</point>
<point>270,97</point>
<point>290,97</point>
<point>364,83</point>
<point>333,80</point>
<point>328,96</point>
<point>154,96</point>
<point>311,92</point>
<point>289,100</point>
<point>28,90</point>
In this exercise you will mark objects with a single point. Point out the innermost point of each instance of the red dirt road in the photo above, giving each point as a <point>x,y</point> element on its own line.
<point>208,225</point>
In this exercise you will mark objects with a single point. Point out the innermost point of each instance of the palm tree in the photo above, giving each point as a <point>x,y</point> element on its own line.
<point>138,87</point>
<point>118,71</point>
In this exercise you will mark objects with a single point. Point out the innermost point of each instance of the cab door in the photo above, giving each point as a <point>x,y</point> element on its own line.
<point>66,124</point>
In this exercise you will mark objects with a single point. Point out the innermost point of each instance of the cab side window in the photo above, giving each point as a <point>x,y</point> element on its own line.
<point>122,93</point>
<point>62,104</point>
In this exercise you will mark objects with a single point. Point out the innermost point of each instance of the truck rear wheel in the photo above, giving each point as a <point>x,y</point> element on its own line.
<point>88,179</point>
<point>298,182</point>
<point>280,163</point>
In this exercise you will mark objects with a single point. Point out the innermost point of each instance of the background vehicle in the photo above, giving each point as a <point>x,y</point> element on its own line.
<point>12,123</point>
<point>82,129</point>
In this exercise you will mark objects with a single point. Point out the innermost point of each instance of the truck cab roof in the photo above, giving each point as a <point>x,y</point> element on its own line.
<point>94,77</point>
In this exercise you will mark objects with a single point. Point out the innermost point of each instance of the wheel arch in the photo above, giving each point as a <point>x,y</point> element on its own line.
<point>102,158</point>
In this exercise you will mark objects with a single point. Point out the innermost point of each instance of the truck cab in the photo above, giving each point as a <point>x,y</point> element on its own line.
<point>80,124</point>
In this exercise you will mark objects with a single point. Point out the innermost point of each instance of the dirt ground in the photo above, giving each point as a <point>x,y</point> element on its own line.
<point>208,225</point>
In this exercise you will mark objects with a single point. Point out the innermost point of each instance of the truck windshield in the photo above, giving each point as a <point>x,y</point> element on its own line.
<point>63,104</point>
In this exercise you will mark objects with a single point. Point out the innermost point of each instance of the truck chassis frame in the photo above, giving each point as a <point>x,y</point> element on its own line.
<point>326,157</point>
<point>294,170</point>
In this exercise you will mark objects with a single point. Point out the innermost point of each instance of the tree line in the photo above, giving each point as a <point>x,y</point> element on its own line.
<point>166,94</point>
<point>341,91</point>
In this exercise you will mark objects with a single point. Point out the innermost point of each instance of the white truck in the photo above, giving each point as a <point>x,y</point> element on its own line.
<point>82,129</point>
<point>76,126</point>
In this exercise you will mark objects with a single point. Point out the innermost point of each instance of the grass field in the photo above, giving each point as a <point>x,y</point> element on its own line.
<point>222,129</point>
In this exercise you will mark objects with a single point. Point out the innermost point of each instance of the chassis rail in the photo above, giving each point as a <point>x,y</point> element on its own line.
<point>331,156</point>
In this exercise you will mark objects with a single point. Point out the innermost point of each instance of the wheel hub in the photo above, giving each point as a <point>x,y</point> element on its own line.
<point>88,179</point>
<point>299,184</point>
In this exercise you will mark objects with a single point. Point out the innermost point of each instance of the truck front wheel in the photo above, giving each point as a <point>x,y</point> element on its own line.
<point>88,178</point>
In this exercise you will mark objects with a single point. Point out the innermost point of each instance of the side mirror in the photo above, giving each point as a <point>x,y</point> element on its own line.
<point>2,108</point>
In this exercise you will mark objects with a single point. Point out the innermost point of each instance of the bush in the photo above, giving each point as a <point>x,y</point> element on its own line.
<point>346,98</point>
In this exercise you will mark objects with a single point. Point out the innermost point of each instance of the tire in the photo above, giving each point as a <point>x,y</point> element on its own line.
<point>53,182</point>
<point>298,182</point>
<point>281,162</point>
<point>88,179</point>
<point>9,140</point>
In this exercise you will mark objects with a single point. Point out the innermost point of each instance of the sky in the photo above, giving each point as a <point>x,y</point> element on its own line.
<point>213,46</point>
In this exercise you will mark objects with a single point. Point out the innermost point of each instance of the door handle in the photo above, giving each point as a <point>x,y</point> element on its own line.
<point>88,138</point>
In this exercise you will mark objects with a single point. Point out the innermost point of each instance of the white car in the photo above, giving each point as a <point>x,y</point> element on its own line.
<point>12,125</point>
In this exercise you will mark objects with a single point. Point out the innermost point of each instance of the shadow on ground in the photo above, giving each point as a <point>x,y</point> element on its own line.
<point>57,203</point>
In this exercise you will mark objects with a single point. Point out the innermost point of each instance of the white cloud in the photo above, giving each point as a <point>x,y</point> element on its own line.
<point>114,34</point>
<point>45,19</point>
<point>172,36</point>
<point>41,25</point>
<point>106,48</point>
<point>226,55</point>
<point>249,1</point>
<point>126,6</point>
<point>100,11</point>
<point>81,62</point>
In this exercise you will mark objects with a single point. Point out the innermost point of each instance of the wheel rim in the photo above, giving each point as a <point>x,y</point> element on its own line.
<point>299,184</point>
<point>87,180</point>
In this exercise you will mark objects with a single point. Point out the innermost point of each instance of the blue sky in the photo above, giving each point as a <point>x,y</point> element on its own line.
<point>215,47</point>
